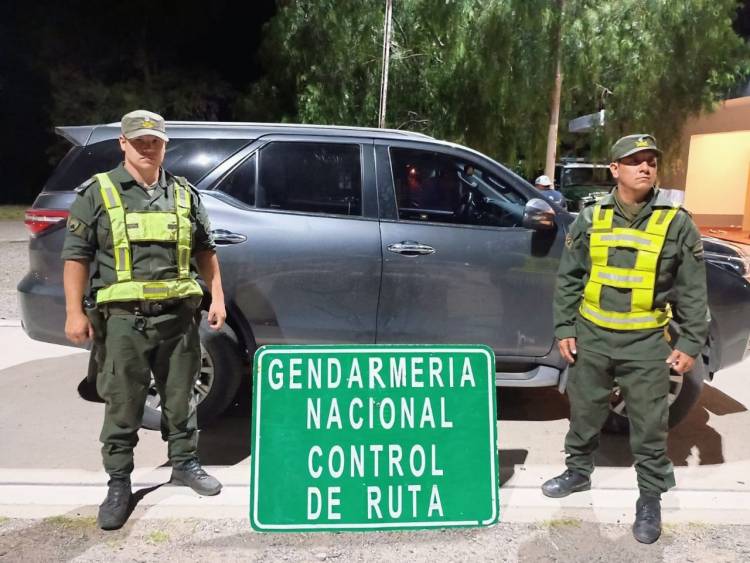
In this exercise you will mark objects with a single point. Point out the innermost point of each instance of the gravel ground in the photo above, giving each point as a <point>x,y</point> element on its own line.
<point>14,257</point>
<point>77,539</point>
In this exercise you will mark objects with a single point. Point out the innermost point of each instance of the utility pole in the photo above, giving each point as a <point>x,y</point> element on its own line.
<point>386,61</point>
<point>554,105</point>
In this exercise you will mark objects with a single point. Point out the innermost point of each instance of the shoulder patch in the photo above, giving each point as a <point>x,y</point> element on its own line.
<point>698,250</point>
<point>75,225</point>
<point>85,185</point>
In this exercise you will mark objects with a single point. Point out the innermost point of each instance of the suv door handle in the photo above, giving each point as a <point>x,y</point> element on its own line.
<point>222,236</point>
<point>410,248</point>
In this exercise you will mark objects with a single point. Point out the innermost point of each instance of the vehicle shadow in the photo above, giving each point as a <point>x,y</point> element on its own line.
<point>508,459</point>
<point>227,441</point>
<point>692,442</point>
<point>515,403</point>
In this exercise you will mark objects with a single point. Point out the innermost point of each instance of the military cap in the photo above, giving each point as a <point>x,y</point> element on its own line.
<point>632,144</point>
<point>140,122</point>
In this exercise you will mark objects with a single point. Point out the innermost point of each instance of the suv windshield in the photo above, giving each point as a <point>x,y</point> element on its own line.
<point>191,158</point>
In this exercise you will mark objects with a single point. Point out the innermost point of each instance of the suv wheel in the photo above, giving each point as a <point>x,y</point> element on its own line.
<point>220,375</point>
<point>684,391</point>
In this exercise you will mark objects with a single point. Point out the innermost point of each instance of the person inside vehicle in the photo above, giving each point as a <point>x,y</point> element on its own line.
<point>548,192</point>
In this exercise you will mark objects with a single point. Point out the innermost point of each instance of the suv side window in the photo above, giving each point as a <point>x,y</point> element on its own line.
<point>310,177</point>
<point>240,182</point>
<point>435,187</point>
<point>192,158</point>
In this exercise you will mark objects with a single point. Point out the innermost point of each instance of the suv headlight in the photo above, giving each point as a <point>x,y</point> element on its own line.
<point>735,257</point>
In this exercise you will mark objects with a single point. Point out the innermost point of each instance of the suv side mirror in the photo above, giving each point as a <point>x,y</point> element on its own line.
<point>538,215</point>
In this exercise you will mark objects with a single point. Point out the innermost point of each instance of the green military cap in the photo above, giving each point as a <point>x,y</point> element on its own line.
<point>140,122</point>
<point>632,144</point>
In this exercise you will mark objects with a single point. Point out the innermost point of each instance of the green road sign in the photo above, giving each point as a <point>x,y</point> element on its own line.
<point>373,438</point>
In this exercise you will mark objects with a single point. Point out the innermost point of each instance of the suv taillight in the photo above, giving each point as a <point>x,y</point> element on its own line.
<point>39,220</point>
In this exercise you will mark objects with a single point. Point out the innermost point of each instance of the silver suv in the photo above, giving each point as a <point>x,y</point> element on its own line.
<point>351,235</point>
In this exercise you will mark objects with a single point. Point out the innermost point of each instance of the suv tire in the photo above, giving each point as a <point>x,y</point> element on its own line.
<point>221,373</point>
<point>683,394</point>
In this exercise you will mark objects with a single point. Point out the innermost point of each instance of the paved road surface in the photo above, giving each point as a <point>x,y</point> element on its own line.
<point>50,453</point>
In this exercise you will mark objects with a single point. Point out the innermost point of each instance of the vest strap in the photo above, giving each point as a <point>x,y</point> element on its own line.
<point>116,214</point>
<point>184,229</point>
<point>148,226</point>
<point>640,279</point>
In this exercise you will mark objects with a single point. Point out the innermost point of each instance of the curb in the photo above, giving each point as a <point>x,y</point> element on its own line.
<point>26,493</point>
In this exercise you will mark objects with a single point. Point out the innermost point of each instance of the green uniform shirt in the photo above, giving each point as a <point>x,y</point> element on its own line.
<point>680,281</point>
<point>89,235</point>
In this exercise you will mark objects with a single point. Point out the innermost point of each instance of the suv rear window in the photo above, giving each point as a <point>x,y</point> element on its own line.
<point>192,158</point>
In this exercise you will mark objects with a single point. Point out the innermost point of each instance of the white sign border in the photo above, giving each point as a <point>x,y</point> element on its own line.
<point>343,349</point>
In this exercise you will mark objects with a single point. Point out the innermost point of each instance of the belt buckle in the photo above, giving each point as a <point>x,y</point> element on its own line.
<point>140,321</point>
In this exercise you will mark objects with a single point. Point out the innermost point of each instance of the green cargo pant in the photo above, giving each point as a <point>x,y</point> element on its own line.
<point>167,345</point>
<point>645,386</point>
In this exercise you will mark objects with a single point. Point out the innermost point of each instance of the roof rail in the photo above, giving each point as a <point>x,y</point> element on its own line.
<point>287,126</point>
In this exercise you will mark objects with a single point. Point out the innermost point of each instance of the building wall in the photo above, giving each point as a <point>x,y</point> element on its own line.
<point>712,165</point>
<point>731,115</point>
<point>716,189</point>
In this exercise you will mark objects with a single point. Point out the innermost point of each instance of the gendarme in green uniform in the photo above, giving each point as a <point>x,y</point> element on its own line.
<point>635,359</point>
<point>632,262</point>
<point>162,339</point>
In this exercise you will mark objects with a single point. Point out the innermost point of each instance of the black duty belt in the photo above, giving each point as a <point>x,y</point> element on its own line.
<point>145,308</point>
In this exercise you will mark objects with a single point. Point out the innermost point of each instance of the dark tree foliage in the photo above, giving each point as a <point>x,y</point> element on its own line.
<point>80,61</point>
<point>480,72</point>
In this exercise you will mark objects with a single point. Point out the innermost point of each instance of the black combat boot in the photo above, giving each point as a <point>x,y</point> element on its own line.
<point>191,473</point>
<point>569,482</point>
<point>647,525</point>
<point>115,509</point>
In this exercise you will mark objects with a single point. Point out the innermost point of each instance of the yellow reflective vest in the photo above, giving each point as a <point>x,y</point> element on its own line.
<point>640,280</point>
<point>148,226</point>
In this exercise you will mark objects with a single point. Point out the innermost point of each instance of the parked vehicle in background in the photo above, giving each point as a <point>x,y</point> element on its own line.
<point>351,235</point>
<point>582,182</point>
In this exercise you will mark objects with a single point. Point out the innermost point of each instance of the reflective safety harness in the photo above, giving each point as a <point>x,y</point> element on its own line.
<point>640,280</point>
<point>148,226</point>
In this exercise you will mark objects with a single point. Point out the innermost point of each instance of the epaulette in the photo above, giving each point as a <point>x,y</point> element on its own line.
<point>185,183</point>
<point>85,186</point>
<point>588,205</point>
<point>663,200</point>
